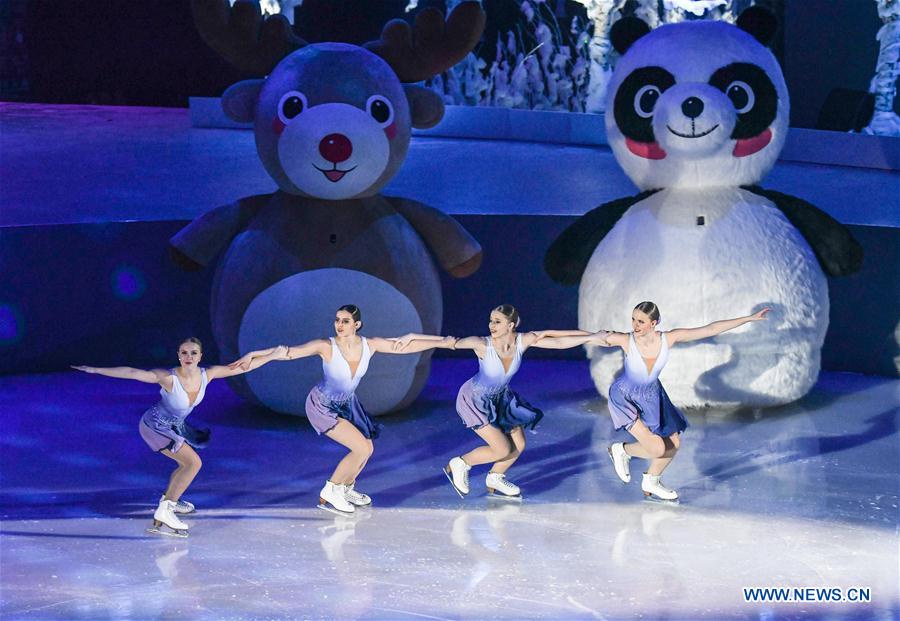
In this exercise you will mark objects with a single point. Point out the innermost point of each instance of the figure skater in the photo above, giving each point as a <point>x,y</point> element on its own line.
<point>488,406</point>
<point>639,403</point>
<point>332,406</point>
<point>164,429</point>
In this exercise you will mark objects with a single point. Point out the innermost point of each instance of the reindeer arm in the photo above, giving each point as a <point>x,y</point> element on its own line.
<point>456,250</point>
<point>197,244</point>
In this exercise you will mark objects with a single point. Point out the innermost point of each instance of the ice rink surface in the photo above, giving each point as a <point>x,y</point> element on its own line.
<point>803,496</point>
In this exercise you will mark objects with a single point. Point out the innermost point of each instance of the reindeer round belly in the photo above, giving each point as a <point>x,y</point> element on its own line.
<point>272,290</point>
<point>703,256</point>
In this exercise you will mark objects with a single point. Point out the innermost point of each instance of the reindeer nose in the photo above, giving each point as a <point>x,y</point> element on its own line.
<point>336,148</point>
<point>692,107</point>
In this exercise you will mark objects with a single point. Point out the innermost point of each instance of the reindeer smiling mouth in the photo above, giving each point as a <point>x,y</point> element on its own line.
<point>693,134</point>
<point>334,175</point>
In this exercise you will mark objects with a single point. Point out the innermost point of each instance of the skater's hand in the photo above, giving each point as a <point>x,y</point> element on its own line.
<point>402,342</point>
<point>83,368</point>
<point>243,363</point>
<point>760,315</point>
<point>282,352</point>
<point>449,342</point>
<point>599,338</point>
<point>539,334</point>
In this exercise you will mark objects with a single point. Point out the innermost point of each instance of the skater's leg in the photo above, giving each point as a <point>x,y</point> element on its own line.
<point>361,449</point>
<point>649,445</point>
<point>673,443</point>
<point>518,439</point>
<point>499,446</point>
<point>188,466</point>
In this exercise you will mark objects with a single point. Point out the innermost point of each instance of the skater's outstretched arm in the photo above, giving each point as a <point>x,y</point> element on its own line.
<point>410,343</point>
<point>153,376</point>
<point>683,335</point>
<point>321,347</point>
<point>218,371</point>
<point>536,339</point>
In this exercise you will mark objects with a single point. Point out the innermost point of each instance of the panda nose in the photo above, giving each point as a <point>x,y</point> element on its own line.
<point>335,148</point>
<point>692,107</point>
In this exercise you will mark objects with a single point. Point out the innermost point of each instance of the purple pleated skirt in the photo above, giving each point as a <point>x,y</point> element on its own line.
<point>160,431</point>
<point>502,408</point>
<point>629,402</point>
<point>323,412</point>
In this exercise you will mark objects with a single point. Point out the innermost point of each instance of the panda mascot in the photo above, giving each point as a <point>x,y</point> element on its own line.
<point>696,114</point>
<point>332,123</point>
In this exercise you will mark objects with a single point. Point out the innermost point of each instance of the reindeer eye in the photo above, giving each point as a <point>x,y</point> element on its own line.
<point>291,105</point>
<point>380,109</point>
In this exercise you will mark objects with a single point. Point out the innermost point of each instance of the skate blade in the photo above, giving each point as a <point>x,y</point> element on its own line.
<point>159,530</point>
<point>492,495</point>
<point>613,460</point>
<point>450,478</point>
<point>661,501</point>
<point>332,509</point>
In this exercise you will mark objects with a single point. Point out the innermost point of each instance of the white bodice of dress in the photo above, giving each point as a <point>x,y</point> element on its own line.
<point>491,374</point>
<point>338,377</point>
<point>636,369</point>
<point>177,403</point>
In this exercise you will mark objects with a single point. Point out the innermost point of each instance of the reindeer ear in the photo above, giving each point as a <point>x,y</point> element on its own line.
<point>425,106</point>
<point>239,101</point>
<point>626,31</point>
<point>759,23</point>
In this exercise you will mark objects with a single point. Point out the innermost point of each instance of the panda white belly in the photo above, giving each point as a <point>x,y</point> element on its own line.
<point>744,255</point>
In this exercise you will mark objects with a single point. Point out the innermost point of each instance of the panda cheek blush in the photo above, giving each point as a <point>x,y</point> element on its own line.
<point>646,150</point>
<point>749,146</point>
<point>391,131</point>
<point>277,126</point>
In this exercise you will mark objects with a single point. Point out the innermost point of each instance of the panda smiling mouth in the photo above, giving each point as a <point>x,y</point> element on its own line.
<point>692,134</point>
<point>334,175</point>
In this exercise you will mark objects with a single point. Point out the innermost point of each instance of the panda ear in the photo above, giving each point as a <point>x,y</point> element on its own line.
<point>760,23</point>
<point>626,31</point>
<point>239,101</point>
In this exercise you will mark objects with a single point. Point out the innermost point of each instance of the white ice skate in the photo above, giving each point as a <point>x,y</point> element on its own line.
<point>457,472</point>
<point>621,461</point>
<point>356,498</point>
<point>182,506</point>
<point>165,516</point>
<point>654,490</point>
<point>498,484</point>
<point>331,498</point>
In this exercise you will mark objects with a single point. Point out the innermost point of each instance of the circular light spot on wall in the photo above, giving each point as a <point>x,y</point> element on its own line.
<point>128,283</point>
<point>11,325</point>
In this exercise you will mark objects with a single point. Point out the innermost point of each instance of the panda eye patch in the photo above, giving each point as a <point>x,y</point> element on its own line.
<point>380,109</point>
<point>635,101</point>
<point>291,105</point>
<point>751,93</point>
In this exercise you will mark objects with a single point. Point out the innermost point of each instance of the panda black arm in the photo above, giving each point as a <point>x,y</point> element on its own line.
<point>197,244</point>
<point>838,252</point>
<point>569,253</point>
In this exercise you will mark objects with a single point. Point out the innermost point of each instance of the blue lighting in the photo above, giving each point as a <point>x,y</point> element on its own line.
<point>128,283</point>
<point>11,325</point>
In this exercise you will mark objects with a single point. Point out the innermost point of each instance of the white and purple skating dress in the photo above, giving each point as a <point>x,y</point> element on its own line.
<point>637,393</point>
<point>486,399</point>
<point>163,426</point>
<point>335,396</point>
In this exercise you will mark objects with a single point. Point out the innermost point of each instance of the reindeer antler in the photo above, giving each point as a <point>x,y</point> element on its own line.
<point>431,46</point>
<point>242,36</point>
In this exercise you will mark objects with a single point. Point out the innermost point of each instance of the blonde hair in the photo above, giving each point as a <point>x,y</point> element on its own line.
<point>509,311</point>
